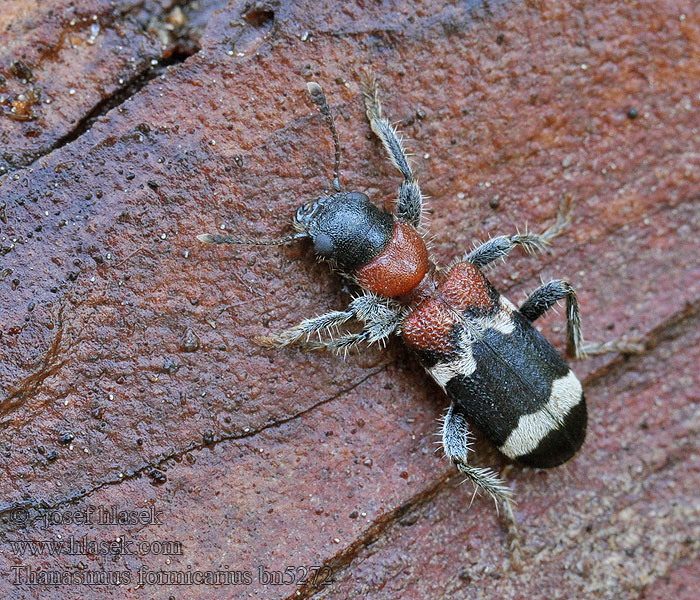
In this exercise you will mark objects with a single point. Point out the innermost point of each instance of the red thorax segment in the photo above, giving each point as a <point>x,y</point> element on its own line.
<point>466,288</point>
<point>399,268</point>
<point>428,327</point>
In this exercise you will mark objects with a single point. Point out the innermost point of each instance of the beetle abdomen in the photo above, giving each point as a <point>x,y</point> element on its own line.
<point>521,395</point>
<point>512,384</point>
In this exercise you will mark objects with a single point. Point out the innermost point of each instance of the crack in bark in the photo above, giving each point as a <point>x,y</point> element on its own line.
<point>372,534</point>
<point>669,330</point>
<point>183,45</point>
<point>119,97</point>
<point>7,511</point>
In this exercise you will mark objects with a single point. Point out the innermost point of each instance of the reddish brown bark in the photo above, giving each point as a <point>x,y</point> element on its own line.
<point>127,372</point>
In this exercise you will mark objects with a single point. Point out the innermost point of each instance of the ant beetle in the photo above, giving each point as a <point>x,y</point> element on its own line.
<point>499,372</point>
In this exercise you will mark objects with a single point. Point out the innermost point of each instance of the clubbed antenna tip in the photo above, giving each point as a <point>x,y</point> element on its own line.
<point>319,99</point>
<point>208,238</point>
<point>314,89</point>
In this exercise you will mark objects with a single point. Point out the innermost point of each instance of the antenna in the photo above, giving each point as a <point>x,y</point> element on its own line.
<point>318,98</point>
<point>216,238</point>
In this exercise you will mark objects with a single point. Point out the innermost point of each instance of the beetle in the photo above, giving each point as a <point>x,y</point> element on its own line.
<point>499,372</point>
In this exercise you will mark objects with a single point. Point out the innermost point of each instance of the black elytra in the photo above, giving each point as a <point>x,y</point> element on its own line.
<point>513,377</point>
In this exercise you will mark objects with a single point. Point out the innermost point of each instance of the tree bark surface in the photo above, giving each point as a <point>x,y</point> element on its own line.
<point>128,375</point>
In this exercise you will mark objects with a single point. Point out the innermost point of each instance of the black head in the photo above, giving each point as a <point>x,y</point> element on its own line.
<point>346,228</point>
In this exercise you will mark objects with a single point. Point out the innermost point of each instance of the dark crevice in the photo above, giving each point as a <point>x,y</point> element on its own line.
<point>131,88</point>
<point>370,535</point>
<point>33,509</point>
<point>177,45</point>
<point>672,327</point>
<point>181,44</point>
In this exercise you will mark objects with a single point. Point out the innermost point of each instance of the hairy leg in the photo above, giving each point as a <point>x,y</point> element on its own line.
<point>546,296</point>
<point>500,246</point>
<point>410,200</point>
<point>380,318</point>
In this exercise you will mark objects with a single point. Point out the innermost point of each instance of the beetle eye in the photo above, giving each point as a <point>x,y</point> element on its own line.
<point>323,245</point>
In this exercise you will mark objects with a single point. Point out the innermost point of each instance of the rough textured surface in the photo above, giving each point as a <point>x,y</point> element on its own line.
<point>64,63</point>
<point>127,374</point>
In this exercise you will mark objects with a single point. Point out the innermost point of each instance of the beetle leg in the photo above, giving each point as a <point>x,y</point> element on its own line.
<point>381,317</point>
<point>301,332</point>
<point>455,441</point>
<point>500,246</point>
<point>379,320</point>
<point>546,296</point>
<point>410,200</point>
